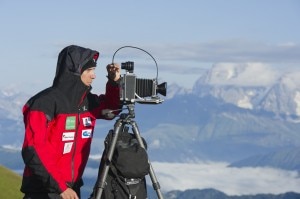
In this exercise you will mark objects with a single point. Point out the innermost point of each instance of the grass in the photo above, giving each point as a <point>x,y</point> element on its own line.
<point>10,183</point>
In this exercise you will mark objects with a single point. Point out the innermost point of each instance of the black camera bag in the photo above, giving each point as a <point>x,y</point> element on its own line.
<point>129,159</point>
<point>128,168</point>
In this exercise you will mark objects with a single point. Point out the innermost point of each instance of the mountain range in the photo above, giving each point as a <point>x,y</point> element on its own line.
<point>247,115</point>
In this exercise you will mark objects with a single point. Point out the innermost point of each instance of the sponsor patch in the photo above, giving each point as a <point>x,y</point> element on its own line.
<point>87,121</point>
<point>68,147</point>
<point>68,136</point>
<point>87,133</point>
<point>70,123</point>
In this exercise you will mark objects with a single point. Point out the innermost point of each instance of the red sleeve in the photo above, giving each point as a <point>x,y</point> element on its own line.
<point>110,100</point>
<point>38,153</point>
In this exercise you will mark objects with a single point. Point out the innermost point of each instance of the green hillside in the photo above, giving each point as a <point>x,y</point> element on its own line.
<point>10,183</point>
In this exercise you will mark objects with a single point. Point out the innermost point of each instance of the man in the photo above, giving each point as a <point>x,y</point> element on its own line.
<point>59,123</point>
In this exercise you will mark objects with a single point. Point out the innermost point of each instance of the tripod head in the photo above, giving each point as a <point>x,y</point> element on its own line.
<point>109,114</point>
<point>130,114</point>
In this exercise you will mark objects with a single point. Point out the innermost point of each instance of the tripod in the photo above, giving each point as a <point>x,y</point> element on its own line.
<point>125,118</point>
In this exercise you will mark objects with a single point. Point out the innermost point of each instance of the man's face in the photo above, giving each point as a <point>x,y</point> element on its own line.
<point>88,76</point>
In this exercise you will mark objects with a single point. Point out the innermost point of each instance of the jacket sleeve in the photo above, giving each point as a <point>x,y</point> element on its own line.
<point>110,100</point>
<point>38,154</point>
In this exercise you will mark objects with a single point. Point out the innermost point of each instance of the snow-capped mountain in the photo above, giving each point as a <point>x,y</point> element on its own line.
<point>246,115</point>
<point>233,112</point>
<point>175,89</point>
<point>284,97</point>
<point>254,87</point>
<point>11,103</point>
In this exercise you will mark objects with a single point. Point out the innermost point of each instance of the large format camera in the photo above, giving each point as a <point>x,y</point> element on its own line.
<point>133,89</point>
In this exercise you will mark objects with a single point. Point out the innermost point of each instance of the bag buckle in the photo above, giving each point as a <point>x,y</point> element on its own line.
<point>132,181</point>
<point>131,196</point>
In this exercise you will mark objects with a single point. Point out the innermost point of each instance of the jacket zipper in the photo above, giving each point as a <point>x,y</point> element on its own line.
<point>75,138</point>
<point>74,151</point>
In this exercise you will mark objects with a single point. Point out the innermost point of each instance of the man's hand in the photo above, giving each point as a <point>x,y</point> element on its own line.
<point>113,71</point>
<point>69,194</point>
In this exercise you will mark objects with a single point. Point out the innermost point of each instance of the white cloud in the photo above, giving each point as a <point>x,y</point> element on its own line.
<point>217,175</point>
<point>155,144</point>
<point>288,44</point>
<point>181,63</point>
<point>292,79</point>
<point>232,181</point>
<point>234,50</point>
<point>246,74</point>
<point>12,147</point>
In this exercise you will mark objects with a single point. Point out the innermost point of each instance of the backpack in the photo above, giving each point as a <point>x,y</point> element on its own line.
<point>128,168</point>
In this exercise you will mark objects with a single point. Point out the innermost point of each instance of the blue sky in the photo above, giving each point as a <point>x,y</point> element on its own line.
<point>185,37</point>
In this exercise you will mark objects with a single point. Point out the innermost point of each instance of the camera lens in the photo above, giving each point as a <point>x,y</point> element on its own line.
<point>129,66</point>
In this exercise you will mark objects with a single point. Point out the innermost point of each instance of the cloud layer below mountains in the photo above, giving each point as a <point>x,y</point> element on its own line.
<point>217,175</point>
<point>232,181</point>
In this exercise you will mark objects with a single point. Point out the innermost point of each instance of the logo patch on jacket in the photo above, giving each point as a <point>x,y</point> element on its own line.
<point>87,133</point>
<point>67,136</point>
<point>68,147</point>
<point>87,121</point>
<point>70,123</point>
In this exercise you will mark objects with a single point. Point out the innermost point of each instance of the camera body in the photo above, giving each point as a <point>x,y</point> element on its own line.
<point>133,89</point>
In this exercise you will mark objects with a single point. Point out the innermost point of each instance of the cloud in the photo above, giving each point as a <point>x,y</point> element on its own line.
<point>217,175</point>
<point>292,79</point>
<point>155,144</point>
<point>181,63</point>
<point>247,74</point>
<point>232,181</point>
<point>230,51</point>
<point>194,58</point>
<point>234,50</point>
<point>12,147</point>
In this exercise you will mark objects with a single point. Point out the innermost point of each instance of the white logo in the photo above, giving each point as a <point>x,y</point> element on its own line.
<point>87,121</point>
<point>68,147</point>
<point>87,133</point>
<point>67,136</point>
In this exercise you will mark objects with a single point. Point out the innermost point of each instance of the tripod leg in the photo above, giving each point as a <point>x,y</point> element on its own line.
<point>101,181</point>
<point>155,183</point>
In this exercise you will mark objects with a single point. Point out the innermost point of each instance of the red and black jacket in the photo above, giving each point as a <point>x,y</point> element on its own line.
<point>59,123</point>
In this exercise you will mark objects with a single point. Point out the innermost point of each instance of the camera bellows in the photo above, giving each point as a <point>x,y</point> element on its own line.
<point>145,87</point>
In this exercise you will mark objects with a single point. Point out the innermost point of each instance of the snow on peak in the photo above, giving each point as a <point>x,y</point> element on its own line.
<point>291,80</point>
<point>175,89</point>
<point>246,74</point>
<point>253,86</point>
<point>245,103</point>
<point>297,101</point>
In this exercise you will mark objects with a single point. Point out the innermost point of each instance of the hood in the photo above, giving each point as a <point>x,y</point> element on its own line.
<point>71,60</point>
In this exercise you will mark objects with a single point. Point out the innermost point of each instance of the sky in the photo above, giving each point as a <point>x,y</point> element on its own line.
<point>185,38</point>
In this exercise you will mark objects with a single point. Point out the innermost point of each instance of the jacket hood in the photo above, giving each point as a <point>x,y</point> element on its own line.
<point>72,60</point>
